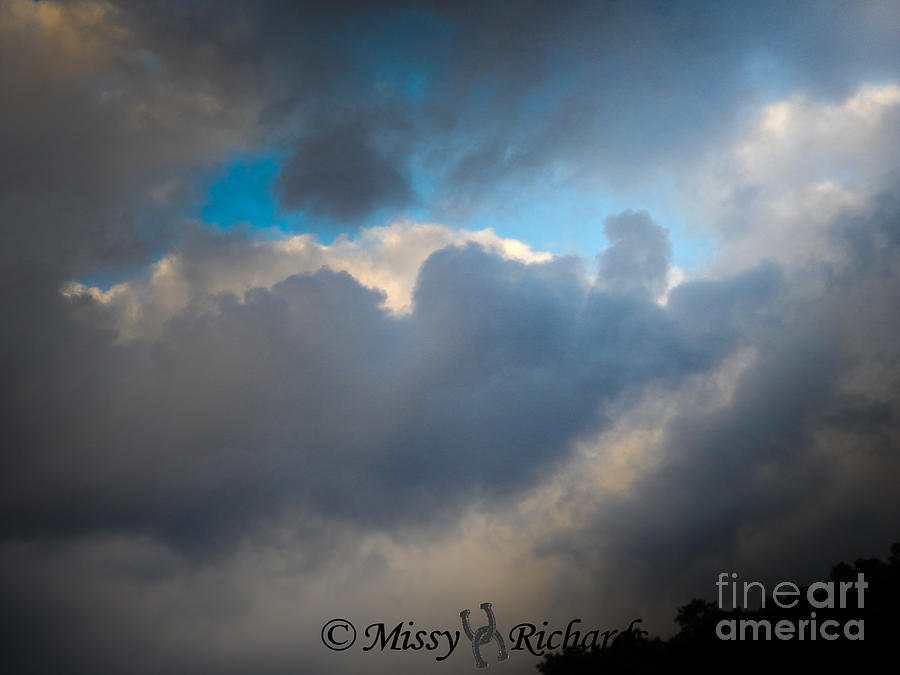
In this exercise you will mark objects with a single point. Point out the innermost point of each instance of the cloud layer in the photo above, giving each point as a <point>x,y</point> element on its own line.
<point>216,438</point>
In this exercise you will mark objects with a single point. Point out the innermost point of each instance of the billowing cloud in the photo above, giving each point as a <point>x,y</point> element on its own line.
<point>638,256</point>
<point>797,447</point>
<point>386,259</point>
<point>499,365</point>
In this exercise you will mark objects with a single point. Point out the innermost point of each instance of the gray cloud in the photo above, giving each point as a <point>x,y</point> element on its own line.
<point>600,73</point>
<point>310,399</point>
<point>801,457</point>
<point>497,96</point>
<point>638,256</point>
<point>340,173</point>
<point>309,395</point>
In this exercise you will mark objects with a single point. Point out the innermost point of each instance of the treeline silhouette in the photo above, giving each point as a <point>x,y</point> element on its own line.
<point>697,648</point>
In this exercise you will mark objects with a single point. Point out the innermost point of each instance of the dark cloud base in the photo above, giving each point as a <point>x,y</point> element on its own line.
<point>309,395</point>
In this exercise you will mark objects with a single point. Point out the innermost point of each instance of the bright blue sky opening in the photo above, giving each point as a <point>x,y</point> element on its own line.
<point>245,193</point>
<point>560,219</point>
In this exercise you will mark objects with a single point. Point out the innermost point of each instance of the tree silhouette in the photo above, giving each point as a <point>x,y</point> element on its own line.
<point>697,649</point>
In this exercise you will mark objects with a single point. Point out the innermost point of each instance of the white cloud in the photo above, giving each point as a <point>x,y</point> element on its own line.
<point>383,258</point>
<point>773,192</point>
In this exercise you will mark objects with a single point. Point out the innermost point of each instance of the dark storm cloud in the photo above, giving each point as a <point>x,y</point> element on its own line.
<point>802,457</point>
<point>99,141</point>
<point>494,95</point>
<point>309,395</point>
<point>584,87</point>
<point>308,398</point>
<point>341,173</point>
<point>504,92</point>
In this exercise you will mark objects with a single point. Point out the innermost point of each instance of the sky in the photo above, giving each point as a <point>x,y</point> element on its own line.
<point>382,311</point>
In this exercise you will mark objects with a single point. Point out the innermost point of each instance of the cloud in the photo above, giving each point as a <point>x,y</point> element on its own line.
<point>308,394</point>
<point>212,443</point>
<point>212,438</point>
<point>386,259</point>
<point>308,402</point>
<point>801,163</point>
<point>638,256</point>
<point>340,173</point>
<point>798,450</point>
